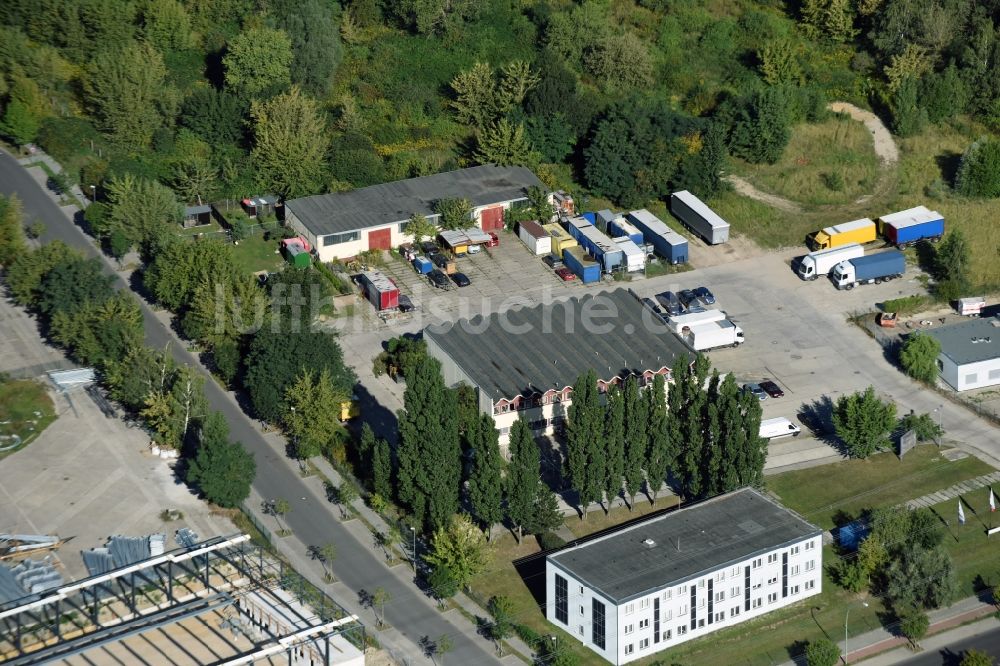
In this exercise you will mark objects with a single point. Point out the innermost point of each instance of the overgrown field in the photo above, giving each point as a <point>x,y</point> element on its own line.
<point>830,162</point>
<point>25,410</point>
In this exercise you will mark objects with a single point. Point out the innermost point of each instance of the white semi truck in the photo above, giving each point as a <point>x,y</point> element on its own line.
<point>822,262</point>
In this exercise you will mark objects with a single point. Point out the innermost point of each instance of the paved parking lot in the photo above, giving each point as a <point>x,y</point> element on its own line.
<point>21,352</point>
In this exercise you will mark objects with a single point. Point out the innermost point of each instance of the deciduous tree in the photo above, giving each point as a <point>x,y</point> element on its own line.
<point>455,213</point>
<point>313,416</point>
<point>863,422</point>
<point>315,43</point>
<point>461,547</point>
<point>822,652</point>
<point>521,483</point>
<point>258,60</point>
<point>636,439</point>
<point>584,430</point>
<point>140,209</point>
<point>614,443</point>
<point>505,143</point>
<point>430,456</point>
<point>222,469</point>
<point>486,482</point>
<point>919,357</point>
<point>289,143</point>
<point>12,243</point>
<point>662,451</point>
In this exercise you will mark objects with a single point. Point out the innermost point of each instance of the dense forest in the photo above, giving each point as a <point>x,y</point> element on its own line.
<point>619,99</point>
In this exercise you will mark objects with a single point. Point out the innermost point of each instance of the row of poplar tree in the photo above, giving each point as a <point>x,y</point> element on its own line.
<point>701,437</point>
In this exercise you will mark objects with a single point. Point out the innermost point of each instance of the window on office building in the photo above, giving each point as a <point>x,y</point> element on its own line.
<point>810,584</point>
<point>795,550</point>
<point>719,617</point>
<point>735,592</point>
<point>597,626</point>
<point>682,629</point>
<point>667,635</point>
<point>794,571</point>
<point>772,558</point>
<point>720,596</point>
<point>810,545</point>
<point>683,609</point>
<point>644,643</point>
<point>630,648</point>
<point>562,599</point>
<point>757,603</point>
<point>793,590</point>
<point>733,612</point>
<point>644,624</point>
<point>669,615</point>
<point>772,597</point>
<point>643,604</point>
<point>721,576</point>
<point>772,581</point>
<point>757,563</point>
<point>629,609</point>
<point>810,565</point>
<point>337,239</point>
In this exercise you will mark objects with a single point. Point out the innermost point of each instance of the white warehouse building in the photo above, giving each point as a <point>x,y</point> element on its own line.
<point>684,574</point>
<point>344,224</point>
<point>970,353</point>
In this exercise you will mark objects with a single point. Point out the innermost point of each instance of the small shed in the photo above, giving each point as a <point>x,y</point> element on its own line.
<point>970,353</point>
<point>380,290</point>
<point>264,204</point>
<point>535,237</point>
<point>579,262</point>
<point>197,216</point>
<point>603,218</point>
<point>422,265</point>
<point>459,240</point>
<point>635,258</point>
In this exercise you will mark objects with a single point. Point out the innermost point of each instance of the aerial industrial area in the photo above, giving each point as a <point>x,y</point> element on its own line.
<point>404,332</point>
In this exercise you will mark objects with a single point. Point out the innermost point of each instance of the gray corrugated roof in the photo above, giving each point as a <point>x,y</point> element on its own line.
<point>958,341</point>
<point>712,534</point>
<point>196,210</point>
<point>558,348</point>
<point>395,202</point>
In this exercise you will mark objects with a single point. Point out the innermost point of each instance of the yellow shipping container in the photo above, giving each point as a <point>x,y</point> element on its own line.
<point>859,231</point>
<point>560,238</point>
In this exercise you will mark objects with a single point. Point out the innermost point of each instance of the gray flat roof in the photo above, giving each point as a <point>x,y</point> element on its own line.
<point>395,202</point>
<point>528,350</point>
<point>712,534</point>
<point>971,341</point>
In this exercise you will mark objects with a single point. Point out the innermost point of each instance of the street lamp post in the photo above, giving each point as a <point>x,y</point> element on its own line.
<point>847,615</point>
<point>413,553</point>
<point>93,193</point>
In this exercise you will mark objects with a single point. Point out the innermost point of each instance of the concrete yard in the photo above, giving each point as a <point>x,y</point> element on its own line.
<point>87,476</point>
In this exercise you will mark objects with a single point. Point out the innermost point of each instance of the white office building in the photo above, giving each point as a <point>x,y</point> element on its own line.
<point>682,575</point>
<point>970,353</point>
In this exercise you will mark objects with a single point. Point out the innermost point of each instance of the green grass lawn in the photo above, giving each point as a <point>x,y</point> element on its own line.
<point>827,163</point>
<point>256,254</point>
<point>881,480</point>
<point>25,410</point>
<point>976,556</point>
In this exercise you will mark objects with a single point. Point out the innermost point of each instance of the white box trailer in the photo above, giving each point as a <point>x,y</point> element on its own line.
<point>822,262</point>
<point>678,323</point>
<point>538,240</point>
<point>712,335</point>
<point>779,427</point>
<point>699,218</point>
<point>635,258</point>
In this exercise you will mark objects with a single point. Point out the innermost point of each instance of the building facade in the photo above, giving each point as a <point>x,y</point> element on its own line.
<point>970,353</point>
<point>683,575</point>
<point>344,224</point>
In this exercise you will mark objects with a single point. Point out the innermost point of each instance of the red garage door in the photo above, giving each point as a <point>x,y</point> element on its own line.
<point>380,240</point>
<point>492,218</point>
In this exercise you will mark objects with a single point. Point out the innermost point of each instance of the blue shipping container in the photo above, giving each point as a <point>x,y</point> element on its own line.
<point>675,246</point>
<point>576,225</point>
<point>602,248</point>
<point>602,219</point>
<point>422,265</point>
<point>647,223</point>
<point>590,217</point>
<point>586,269</point>
<point>622,227</point>
<point>929,229</point>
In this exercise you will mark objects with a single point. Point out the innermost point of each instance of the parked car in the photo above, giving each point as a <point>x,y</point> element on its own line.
<point>438,260</point>
<point>552,261</point>
<point>772,389</point>
<point>566,274</point>
<point>429,248</point>
<point>406,304</point>
<point>687,298</point>
<point>461,279</point>
<point>438,279</point>
<point>704,295</point>
<point>474,249</point>
<point>651,305</point>
<point>669,302</point>
<point>755,390</point>
<point>494,239</point>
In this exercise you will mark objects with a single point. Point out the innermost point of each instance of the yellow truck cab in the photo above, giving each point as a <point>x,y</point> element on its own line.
<point>350,409</point>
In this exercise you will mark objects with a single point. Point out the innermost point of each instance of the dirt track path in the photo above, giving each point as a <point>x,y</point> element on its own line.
<point>883,144</point>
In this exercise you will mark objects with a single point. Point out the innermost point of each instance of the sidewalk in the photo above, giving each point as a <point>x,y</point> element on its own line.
<point>881,647</point>
<point>954,491</point>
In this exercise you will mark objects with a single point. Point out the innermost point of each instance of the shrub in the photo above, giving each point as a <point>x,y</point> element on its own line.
<point>822,652</point>
<point>918,357</point>
<point>550,541</point>
<point>913,623</point>
<point>906,305</point>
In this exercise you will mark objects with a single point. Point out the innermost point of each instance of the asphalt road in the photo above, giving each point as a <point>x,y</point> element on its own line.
<point>951,655</point>
<point>410,612</point>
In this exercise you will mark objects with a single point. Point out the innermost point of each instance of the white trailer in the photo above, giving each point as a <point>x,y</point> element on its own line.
<point>678,323</point>
<point>779,427</point>
<point>635,259</point>
<point>822,262</point>
<point>538,240</point>
<point>699,218</point>
<point>712,335</point>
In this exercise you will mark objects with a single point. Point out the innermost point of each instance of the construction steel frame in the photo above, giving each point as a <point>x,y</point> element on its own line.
<point>157,592</point>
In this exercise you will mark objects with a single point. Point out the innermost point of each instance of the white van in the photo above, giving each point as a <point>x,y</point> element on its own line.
<point>779,427</point>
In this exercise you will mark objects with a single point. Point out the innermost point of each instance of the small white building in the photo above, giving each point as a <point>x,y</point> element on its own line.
<point>538,240</point>
<point>970,353</point>
<point>679,576</point>
<point>344,224</point>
